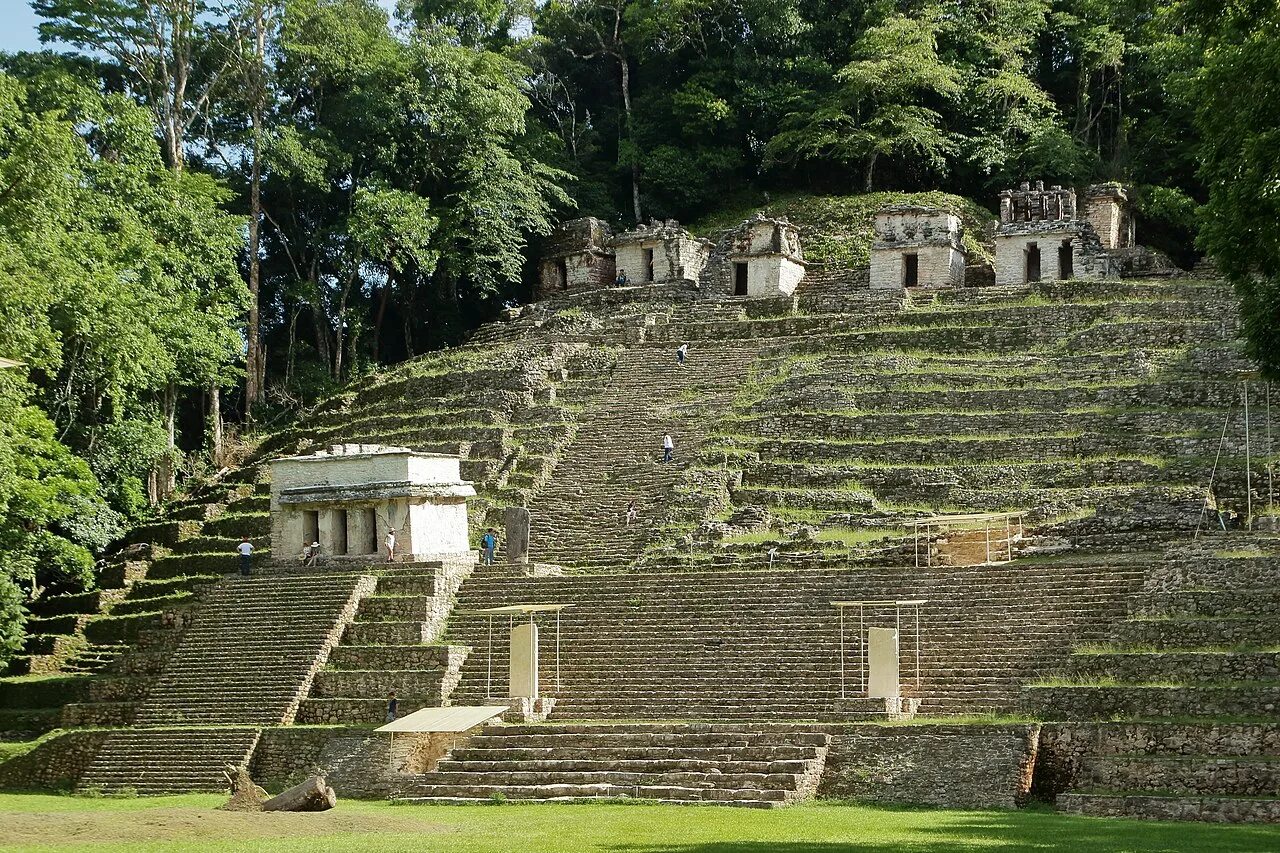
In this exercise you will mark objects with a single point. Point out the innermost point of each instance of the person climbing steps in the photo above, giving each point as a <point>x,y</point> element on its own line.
<point>668,447</point>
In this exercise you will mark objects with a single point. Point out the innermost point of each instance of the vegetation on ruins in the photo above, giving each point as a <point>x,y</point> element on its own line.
<point>224,210</point>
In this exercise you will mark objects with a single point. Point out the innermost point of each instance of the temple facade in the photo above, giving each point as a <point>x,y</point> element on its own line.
<point>1042,237</point>
<point>659,252</point>
<point>350,496</point>
<point>916,246</point>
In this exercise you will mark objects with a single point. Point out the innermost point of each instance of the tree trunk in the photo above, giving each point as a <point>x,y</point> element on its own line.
<point>870,172</point>
<point>167,479</point>
<point>321,321</point>
<point>215,425</point>
<point>313,795</point>
<point>253,368</point>
<point>626,106</point>
<point>379,316</point>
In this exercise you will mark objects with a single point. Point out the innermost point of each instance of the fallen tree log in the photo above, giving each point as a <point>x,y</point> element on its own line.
<point>313,795</point>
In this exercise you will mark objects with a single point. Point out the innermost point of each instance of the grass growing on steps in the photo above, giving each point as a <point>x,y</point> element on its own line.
<point>37,823</point>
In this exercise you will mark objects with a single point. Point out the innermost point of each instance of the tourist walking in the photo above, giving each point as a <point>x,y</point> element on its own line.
<point>314,558</point>
<point>391,545</point>
<point>681,353</point>
<point>632,512</point>
<point>488,545</point>
<point>392,707</point>
<point>245,548</point>
<point>668,447</point>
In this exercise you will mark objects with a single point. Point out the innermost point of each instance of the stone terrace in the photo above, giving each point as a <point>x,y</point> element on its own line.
<point>765,645</point>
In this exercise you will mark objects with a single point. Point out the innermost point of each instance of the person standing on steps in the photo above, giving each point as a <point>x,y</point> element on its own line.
<point>392,706</point>
<point>315,554</point>
<point>681,353</point>
<point>246,556</point>
<point>632,512</point>
<point>488,545</point>
<point>668,447</point>
<point>391,545</point>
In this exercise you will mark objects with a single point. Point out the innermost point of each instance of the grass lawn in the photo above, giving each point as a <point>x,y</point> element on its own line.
<point>38,822</point>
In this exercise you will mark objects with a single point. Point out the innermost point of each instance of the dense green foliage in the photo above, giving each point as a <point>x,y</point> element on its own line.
<point>269,197</point>
<point>1239,119</point>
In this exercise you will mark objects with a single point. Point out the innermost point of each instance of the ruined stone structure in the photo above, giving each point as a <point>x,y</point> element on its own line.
<point>348,497</point>
<point>1042,237</point>
<point>659,252</point>
<point>703,657</point>
<point>1106,206</point>
<point>760,257</point>
<point>576,256</point>
<point>917,246</point>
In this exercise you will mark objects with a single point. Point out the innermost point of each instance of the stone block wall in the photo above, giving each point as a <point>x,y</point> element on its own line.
<point>949,766</point>
<point>54,765</point>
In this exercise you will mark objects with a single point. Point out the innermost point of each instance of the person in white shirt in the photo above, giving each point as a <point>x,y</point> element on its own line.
<point>311,554</point>
<point>681,353</point>
<point>391,545</point>
<point>668,447</point>
<point>246,556</point>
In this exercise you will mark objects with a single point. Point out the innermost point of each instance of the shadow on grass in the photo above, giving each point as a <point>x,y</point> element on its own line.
<point>1039,831</point>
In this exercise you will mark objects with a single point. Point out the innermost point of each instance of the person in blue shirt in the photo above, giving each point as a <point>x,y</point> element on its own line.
<point>489,544</point>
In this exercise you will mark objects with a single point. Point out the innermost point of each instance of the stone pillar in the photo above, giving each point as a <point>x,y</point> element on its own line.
<point>333,532</point>
<point>362,535</point>
<point>517,539</point>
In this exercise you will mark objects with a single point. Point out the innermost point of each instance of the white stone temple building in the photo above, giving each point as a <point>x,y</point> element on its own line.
<point>916,246</point>
<point>660,252</point>
<point>760,257</point>
<point>1042,237</point>
<point>349,496</point>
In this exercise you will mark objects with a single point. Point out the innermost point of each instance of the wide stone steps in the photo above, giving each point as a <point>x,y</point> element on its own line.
<point>677,763</point>
<point>1181,666</point>
<point>1106,702</point>
<point>252,648</point>
<point>171,760</point>
<point>1200,632</point>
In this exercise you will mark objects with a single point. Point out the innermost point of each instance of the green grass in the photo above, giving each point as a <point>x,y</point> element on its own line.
<point>40,823</point>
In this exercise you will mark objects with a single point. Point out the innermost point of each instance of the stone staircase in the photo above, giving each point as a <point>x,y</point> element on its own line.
<point>167,761</point>
<point>252,650</point>
<point>1187,696</point>
<point>247,660</point>
<point>765,645</point>
<point>391,646</point>
<point>724,764</point>
<point>616,454</point>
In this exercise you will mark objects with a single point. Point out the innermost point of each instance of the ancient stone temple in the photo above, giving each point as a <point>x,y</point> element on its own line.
<point>760,257</point>
<point>916,246</point>
<point>577,256</point>
<point>660,252</point>
<point>1107,209</point>
<point>348,497</point>
<point>1042,237</point>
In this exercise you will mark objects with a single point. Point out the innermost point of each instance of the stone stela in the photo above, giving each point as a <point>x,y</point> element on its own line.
<point>878,649</point>
<point>350,496</point>
<point>523,660</point>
